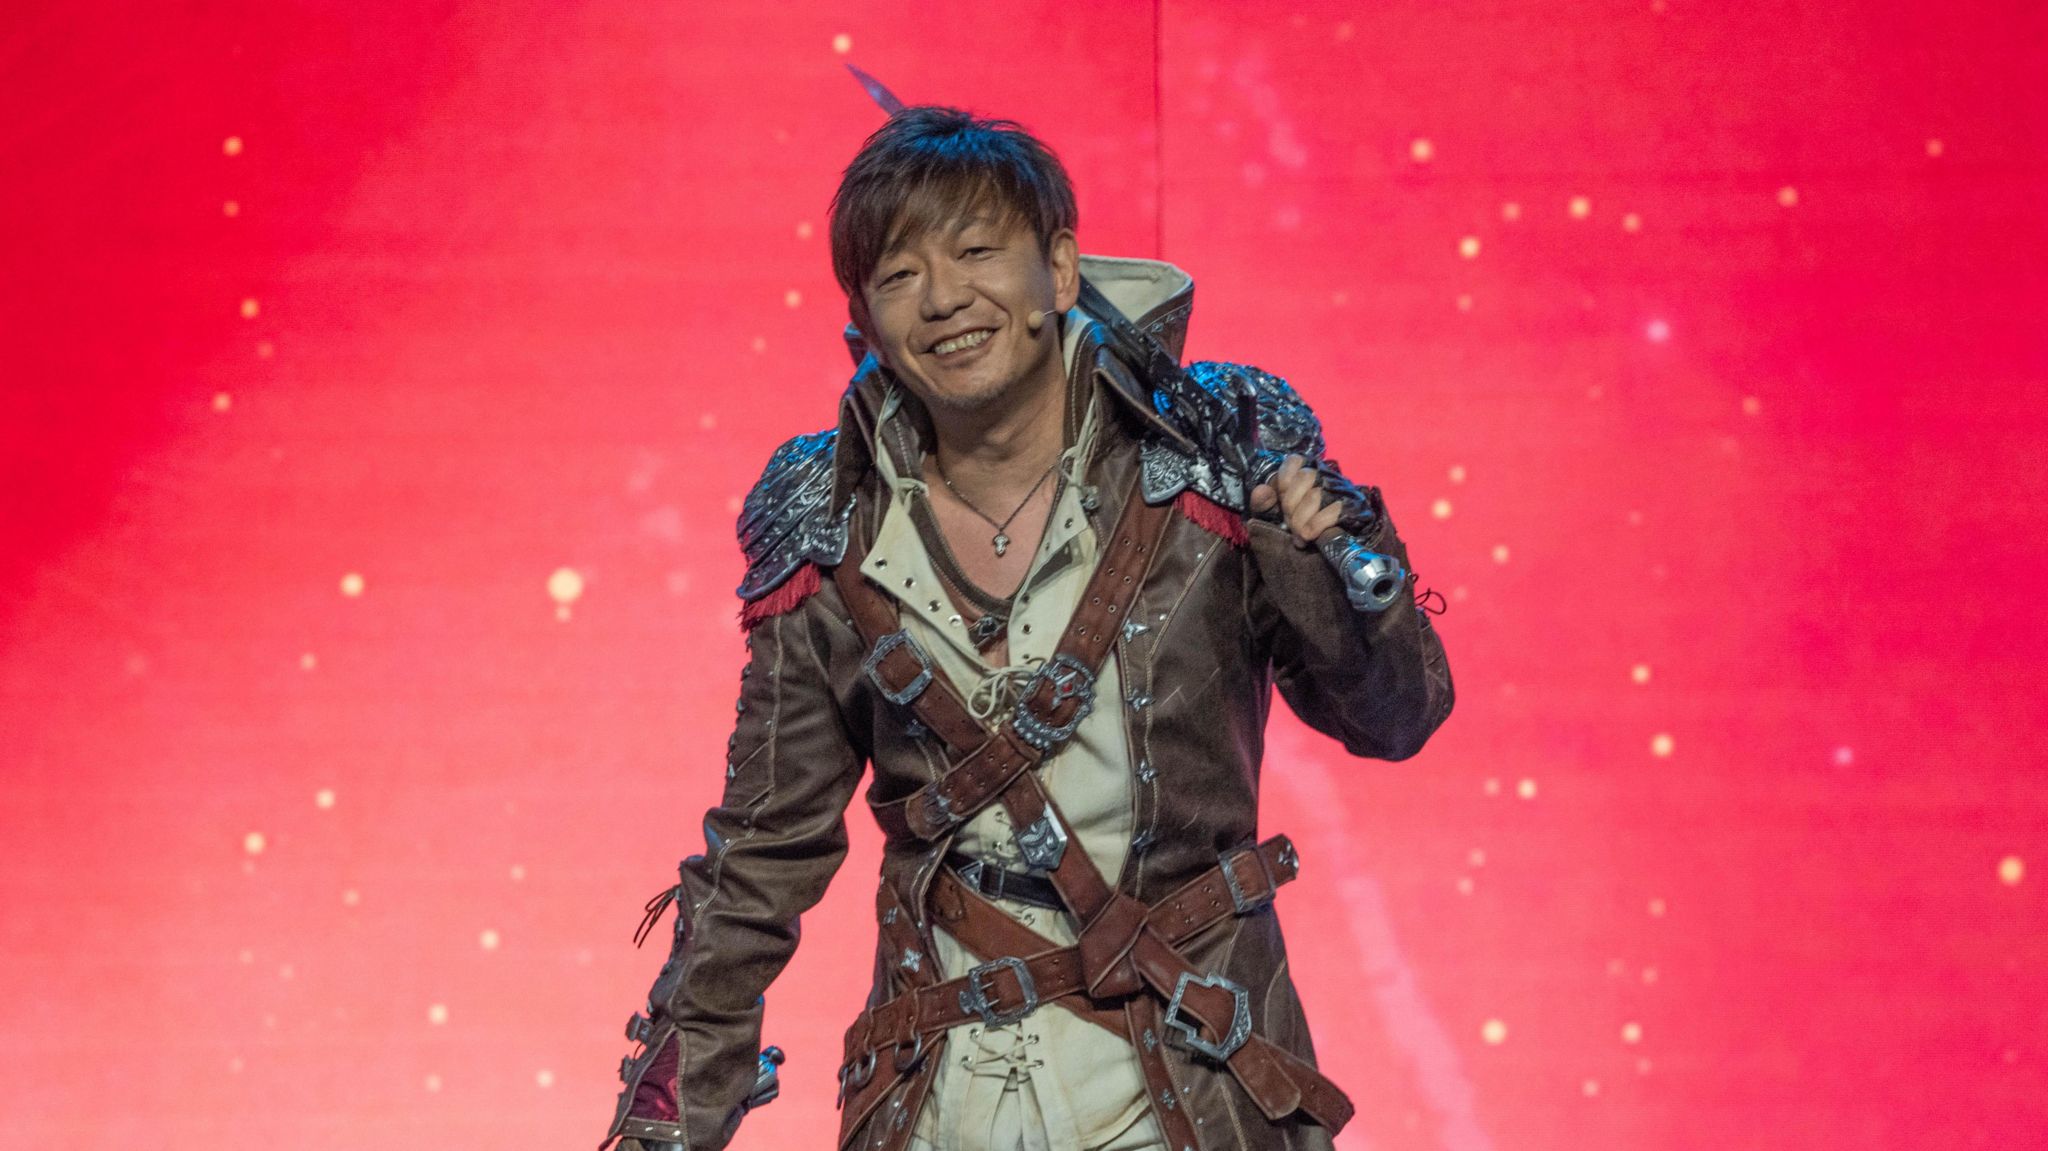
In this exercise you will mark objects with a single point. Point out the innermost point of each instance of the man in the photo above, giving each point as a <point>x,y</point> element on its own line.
<point>1045,580</point>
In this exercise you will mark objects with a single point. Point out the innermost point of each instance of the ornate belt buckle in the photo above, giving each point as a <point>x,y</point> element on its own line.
<point>975,998</point>
<point>1191,1035</point>
<point>1069,679</point>
<point>872,665</point>
<point>1246,904</point>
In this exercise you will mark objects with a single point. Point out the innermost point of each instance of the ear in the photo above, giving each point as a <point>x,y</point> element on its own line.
<point>857,312</point>
<point>1063,255</point>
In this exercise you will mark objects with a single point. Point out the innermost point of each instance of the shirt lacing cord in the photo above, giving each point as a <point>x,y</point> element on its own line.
<point>993,692</point>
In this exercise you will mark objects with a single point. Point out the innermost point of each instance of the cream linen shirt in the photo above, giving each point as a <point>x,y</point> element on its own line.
<point>1070,1084</point>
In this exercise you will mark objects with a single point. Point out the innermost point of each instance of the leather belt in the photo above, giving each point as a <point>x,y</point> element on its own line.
<point>992,882</point>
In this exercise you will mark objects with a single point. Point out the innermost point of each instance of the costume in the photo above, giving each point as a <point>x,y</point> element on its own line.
<point>1109,770</point>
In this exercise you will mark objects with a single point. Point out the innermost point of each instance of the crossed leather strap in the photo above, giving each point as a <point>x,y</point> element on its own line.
<point>1124,946</point>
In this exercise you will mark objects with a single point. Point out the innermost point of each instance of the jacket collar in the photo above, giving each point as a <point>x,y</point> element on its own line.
<point>1154,295</point>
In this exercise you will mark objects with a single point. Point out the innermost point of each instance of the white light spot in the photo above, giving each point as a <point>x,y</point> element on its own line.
<point>250,308</point>
<point>792,298</point>
<point>518,872</point>
<point>437,1014</point>
<point>1469,247</point>
<point>1658,331</point>
<point>1457,473</point>
<point>1590,1088</point>
<point>803,229</point>
<point>488,939</point>
<point>265,349</point>
<point>352,584</point>
<point>1580,207</point>
<point>1844,756</point>
<point>1751,405</point>
<point>1494,1032</point>
<point>1631,223</point>
<point>433,1082</point>
<point>324,798</point>
<point>1511,211</point>
<point>1500,553</point>
<point>2011,870</point>
<point>842,43</point>
<point>1631,1033</point>
<point>1464,885</point>
<point>1649,975</point>
<point>1421,150</point>
<point>253,843</point>
<point>1441,509</point>
<point>1788,196</point>
<point>1492,787</point>
<point>1934,147</point>
<point>1476,857</point>
<point>565,585</point>
<point>232,146</point>
<point>1657,908</point>
<point>1526,789</point>
<point>230,209</point>
<point>1465,303</point>
<point>222,401</point>
<point>1661,744</point>
<point>544,1077</point>
<point>351,897</point>
<point>1640,673</point>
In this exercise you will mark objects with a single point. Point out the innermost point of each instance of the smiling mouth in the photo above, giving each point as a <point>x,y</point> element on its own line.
<point>963,342</point>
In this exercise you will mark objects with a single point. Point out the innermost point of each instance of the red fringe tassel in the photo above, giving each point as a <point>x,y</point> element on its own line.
<point>1214,517</point>
<point>794,590</point>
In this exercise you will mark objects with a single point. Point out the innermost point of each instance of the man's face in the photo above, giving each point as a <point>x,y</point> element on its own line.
<point>947,311</point>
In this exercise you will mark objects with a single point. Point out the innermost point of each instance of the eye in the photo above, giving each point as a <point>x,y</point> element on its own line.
<point>977,248</point>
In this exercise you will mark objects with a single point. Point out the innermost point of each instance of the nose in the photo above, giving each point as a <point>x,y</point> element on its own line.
<point>946,290</point>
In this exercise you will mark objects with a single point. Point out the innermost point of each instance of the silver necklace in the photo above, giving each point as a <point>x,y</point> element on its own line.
<point>1001,539</point>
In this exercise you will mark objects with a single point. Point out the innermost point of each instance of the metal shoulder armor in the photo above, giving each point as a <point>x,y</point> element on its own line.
<point>787,519</point>
<point>1242,423</point>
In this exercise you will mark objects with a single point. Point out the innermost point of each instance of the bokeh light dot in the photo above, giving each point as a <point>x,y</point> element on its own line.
<point>253,843</point>
<point>308,661</point>
<point>842,43</point>
<point>1526,789</point>
<point>518,872</point>
<point>1468,247</point>
<point>230,208</point>
<point>1464,303</point>
<point>1844,756</point>
<point>803,229</point>
<point>2011,870</point>
<point>1491,787</point>
<point>1751,405</point>
<point>792,298</point>
<point>1580,207</point>
<point>1934,147</point>
<point>433,1082</point>
<point>1476,857</point>
<point>352,584</point>
<point>351,897</point>
<point>437,1014</point>
<point>544,1077</point>
<point>1590,1088</point>
<point>1511,211</point>
<point>1661,745</point>
<point>232,146</point>
<point>1421,150</point>
<point>1657,330</point>
<point>565,585</point>
<point>1631,223</point>
<point>488,939</point>
<point>1494,1031</point>
<point>222,401</point>
<point>1640,673</point>
<point>323,798</point>
<point>1657,908</point>
<point>1464,885</point>
<point>1500,553</point>
<point>1631,1032</point>
<point>1788,196</point>
<point>1457,473</point>
<point>250,308</point>
<point>1441,509</point>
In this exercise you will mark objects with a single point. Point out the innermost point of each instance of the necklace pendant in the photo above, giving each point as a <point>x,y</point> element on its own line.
<point>1002,543</point>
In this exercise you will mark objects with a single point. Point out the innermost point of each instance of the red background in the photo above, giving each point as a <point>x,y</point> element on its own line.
<point>1746,452</point>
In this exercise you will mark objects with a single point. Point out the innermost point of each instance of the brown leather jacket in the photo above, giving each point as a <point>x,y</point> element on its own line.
<point>1231,611</point>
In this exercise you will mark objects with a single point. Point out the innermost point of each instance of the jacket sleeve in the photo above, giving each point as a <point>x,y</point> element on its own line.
<point>1377,682</point>
<point>770,847</point>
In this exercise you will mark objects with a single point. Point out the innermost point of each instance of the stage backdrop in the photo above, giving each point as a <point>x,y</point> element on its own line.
<point>381,382</point>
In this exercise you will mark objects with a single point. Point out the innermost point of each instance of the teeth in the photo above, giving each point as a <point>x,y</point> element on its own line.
<point>958,343</point>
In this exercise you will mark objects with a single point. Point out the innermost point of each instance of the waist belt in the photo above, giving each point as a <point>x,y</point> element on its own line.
<point>992,882</point>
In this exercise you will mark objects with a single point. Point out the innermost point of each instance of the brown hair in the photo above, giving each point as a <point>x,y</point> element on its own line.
<point>930,165</point>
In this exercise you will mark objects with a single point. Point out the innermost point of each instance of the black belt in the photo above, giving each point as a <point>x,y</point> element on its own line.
<point>996,883</point>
